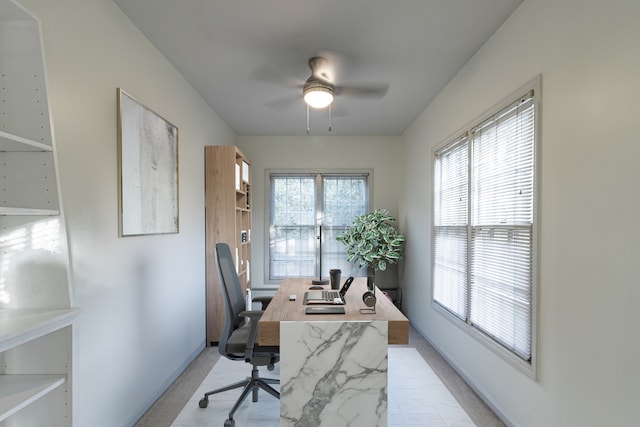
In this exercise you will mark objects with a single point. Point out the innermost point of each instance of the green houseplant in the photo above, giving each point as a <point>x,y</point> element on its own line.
<point>373,242</point>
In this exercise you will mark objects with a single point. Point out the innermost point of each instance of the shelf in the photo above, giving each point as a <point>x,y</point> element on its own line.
<point>18,326</point>
<point>228,206</point>
<point>36,336</point>
<point>18,391</point>
<point>28,211</point>
<point>9,142</point>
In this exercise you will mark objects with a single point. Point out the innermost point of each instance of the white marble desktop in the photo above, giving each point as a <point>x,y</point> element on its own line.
<point>333,373</point>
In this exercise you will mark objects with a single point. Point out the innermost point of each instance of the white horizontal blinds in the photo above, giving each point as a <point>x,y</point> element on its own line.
<point>503,154</point>
<point>344,197</point>
<point>300,202</point>
<point>451,183</point>
<point>502,206</point>
<point>292,233</point>
<point>501,286</point>
<point>451,180</point>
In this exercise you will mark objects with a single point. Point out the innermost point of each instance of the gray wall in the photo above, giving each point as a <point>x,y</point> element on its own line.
<point>588,340</point>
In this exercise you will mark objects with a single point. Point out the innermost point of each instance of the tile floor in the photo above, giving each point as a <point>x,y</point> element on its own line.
<point>166,409</point>
<point>417,397</point>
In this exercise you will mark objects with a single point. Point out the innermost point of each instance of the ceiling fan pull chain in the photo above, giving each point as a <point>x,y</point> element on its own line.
<point>330,118</point>
<point>307,119</point>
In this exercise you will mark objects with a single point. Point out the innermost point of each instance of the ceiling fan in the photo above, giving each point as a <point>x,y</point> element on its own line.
<point>320,90</point>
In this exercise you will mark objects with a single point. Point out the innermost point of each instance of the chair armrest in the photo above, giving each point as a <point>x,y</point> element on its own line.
<point>254,316</point>
<point>251,314</point>
<point>264,300</point>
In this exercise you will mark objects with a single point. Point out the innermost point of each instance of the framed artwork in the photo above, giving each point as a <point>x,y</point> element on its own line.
<point>147,170</point>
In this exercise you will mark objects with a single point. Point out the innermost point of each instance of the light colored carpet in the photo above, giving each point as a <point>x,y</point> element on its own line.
<point>417,397</point>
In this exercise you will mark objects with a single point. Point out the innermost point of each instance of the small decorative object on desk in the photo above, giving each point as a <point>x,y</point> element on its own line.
<point>334,278</point>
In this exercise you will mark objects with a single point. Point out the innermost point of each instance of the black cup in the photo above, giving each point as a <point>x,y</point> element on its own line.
<point>334,275</point>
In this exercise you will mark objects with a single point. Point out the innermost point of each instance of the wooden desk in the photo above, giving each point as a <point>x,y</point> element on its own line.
<point>281,309</point>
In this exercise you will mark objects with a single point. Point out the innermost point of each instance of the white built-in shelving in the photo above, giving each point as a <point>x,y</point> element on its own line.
<point>24,327</point>
<point>9,142</point>
<point>36,314</point>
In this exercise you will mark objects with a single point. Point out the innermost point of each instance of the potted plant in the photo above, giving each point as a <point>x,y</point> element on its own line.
<point>373,242</point>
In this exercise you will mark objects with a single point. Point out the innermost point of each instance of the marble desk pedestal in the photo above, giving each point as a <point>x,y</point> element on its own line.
<point>333,373</point>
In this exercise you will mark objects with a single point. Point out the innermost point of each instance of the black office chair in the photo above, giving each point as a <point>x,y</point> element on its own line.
<point>238,340</point>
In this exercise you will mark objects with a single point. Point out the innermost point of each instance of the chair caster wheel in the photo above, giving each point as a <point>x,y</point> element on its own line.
<point>204,402</point>
<point>230,423</point>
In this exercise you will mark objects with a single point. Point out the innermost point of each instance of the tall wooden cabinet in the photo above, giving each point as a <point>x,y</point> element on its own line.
<point>228,220</point>
<point>35,301</point>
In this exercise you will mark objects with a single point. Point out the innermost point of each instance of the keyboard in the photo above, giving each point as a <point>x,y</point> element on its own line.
<point>328,309</point>
<point>330,295</point>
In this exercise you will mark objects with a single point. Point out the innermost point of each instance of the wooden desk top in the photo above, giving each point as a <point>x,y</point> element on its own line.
<point>281,309</point>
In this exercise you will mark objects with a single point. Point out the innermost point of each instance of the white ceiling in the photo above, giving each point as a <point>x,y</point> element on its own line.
<point>247,58</point>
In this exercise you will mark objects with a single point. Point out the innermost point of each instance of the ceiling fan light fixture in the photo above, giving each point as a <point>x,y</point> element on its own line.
<point>318,96</point>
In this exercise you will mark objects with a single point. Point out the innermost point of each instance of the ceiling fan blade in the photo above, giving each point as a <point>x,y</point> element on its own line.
<point>269,75</point>
<point>285,104</point>
<point>337,63</point>
<point>373,90</point>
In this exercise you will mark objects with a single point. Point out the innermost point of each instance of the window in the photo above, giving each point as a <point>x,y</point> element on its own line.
<point>484,222</point>
<point>307,212</point>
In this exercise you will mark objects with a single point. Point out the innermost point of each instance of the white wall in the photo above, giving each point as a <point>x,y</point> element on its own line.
<point>588,329</point>
<point>384,155</point>
<point>142,298</point>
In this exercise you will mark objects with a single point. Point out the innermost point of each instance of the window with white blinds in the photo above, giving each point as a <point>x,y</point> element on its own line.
<point>451,201</point>
<point>484,220</point>
<point>308,210</point>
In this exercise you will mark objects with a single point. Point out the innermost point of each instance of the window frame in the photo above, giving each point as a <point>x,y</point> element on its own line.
<point>315,172</point>
<point>528,367</point>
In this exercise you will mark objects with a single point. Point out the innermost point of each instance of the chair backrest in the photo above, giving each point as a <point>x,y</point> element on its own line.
<point>234,299</point>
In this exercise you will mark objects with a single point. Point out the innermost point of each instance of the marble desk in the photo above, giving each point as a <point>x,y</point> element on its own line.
<point>333,368</point>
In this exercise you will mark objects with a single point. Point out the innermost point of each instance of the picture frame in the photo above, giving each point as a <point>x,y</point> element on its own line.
<point>147,170</point>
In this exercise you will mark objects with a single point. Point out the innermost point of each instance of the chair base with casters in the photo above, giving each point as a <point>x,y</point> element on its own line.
<point>250,385</point>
